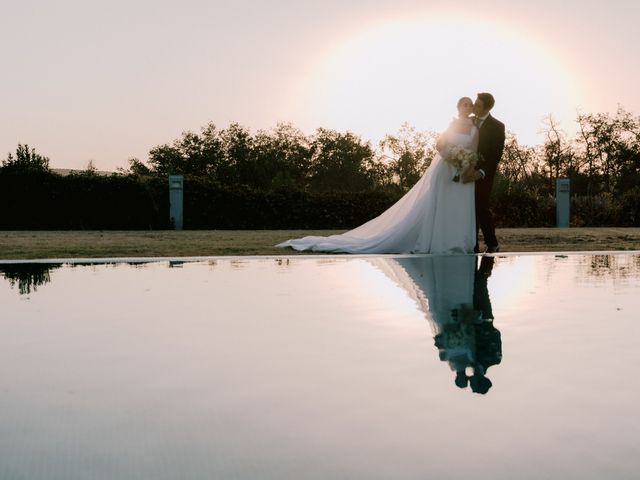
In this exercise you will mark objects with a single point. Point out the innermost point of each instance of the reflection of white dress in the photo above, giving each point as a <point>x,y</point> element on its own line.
<point>442,288</point>
<point>436,216</point>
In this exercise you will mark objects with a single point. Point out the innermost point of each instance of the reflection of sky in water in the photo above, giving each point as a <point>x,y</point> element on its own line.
<point>320,368</point>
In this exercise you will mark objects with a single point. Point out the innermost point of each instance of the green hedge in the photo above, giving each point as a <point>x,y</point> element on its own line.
<point>46,201</point>
<point>520,208</point>
<point>209,205</point>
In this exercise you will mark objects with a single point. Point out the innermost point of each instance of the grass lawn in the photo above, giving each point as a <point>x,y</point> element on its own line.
<point>87,244</point>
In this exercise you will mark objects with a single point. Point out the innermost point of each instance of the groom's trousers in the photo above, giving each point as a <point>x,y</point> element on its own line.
<point>484,217</point>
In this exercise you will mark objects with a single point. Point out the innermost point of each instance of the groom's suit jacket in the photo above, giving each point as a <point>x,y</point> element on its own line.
<point>490,147</point>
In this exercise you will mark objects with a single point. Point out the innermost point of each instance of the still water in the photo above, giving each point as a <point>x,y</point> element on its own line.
<point>508,367</point>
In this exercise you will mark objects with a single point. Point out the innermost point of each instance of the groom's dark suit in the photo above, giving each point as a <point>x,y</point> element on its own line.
<point>490,146</point>
<point>487,337</point>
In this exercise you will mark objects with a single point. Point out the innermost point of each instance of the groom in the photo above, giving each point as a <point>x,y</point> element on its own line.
<point>490,146</point>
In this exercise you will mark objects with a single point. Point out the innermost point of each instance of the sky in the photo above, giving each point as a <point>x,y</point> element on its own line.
<point>107,81</point>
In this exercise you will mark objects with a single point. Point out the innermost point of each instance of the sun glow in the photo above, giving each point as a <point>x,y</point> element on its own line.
<point>414,70</point>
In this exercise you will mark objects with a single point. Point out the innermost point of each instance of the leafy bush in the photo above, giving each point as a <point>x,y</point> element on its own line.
<point>630,208</point>
<point>602,210</point>
<point>211,205</point>
<point>40,199</point>
<point>44,200</point>
<point>522,208</point>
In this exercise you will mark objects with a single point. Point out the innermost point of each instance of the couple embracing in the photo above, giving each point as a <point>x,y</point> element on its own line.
<point>443,211</point>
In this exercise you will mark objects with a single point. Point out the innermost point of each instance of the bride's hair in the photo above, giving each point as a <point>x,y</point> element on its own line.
<point>462,99</point>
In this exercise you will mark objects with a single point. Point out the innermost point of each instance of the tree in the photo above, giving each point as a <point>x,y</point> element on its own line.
<point>519,163</point>
<point>26,160</point>
<point>557,152</point>
<point>609,145</point>
<point>282,158</point>
<point>91,168</point>
<point>340,162</point>
<point>411,152</point>
<point>137,167</point>
<point>192,154</point>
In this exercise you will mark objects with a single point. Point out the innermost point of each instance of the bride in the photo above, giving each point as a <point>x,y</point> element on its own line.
<point>436,216</point>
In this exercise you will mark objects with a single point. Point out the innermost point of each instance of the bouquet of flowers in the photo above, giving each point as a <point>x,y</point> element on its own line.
<point>462,159</point>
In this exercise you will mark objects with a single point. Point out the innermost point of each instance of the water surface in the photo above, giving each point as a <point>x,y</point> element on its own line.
<point>322,367</point>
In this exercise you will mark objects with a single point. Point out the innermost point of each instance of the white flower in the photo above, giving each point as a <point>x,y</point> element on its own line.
<point>462,159</point>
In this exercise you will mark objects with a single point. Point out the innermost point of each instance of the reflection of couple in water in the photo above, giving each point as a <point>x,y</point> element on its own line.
<point>452,291</point>
<point>469,341</point>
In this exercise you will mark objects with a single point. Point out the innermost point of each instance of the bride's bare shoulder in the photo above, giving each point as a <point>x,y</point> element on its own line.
<point>454,124</point>
<point>461,125</point>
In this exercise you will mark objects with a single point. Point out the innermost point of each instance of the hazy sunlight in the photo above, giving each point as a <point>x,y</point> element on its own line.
<point>414,70</point>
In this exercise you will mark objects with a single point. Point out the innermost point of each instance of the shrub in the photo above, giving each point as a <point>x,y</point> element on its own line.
<point>630,208</point>
<point>39,200</point>
<point>522,208</point>
<point>600,210</point>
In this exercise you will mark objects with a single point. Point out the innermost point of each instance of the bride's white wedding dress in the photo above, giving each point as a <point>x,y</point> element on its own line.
<point>436,216</point>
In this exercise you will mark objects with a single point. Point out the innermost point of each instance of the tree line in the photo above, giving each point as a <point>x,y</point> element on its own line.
<point>286,158</point>
<point>602,157</point>
<point>602,160</point>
